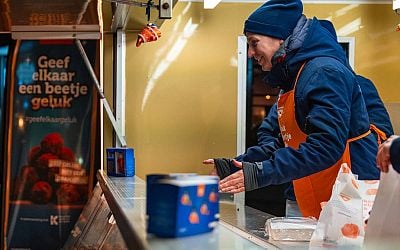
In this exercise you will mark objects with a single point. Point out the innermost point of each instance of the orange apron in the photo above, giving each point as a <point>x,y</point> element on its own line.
<point>311,190</point>
<point>379,133</point>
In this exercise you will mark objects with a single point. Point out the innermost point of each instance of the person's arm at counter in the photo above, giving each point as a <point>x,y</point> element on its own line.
<point>389,153</point>
<point>325,143</point>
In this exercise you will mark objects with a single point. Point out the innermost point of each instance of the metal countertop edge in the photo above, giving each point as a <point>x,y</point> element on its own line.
<point>131,238</point>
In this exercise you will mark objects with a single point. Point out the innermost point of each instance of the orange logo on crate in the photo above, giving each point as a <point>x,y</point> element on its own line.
<point>204,209</point>
<point>194,218</point>
<point>213,196</point>
<point>201,190</point>
<point>185,199</point>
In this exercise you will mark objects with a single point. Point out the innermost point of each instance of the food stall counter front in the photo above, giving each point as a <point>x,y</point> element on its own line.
<point>239,227</point>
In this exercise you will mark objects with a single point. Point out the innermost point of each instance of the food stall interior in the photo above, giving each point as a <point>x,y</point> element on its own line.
<point>114,216</point>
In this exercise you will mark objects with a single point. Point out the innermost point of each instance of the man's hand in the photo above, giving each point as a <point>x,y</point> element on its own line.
<point>383,156</point>
<point>234,183</point>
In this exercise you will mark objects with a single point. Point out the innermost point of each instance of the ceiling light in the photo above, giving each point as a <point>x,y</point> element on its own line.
<point>210,4</point>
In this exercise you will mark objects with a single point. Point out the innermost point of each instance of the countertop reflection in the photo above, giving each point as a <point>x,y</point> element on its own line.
<point>240,227</point>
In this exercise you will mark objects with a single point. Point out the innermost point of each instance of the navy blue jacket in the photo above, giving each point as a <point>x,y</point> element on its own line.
<point>377,112</point>
<point>330,109</point>
<point>268,133</point>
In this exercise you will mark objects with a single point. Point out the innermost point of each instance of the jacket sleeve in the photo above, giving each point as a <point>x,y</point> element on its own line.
<point>324,97</point>
<point>269,139</point>
<point>377,112</point>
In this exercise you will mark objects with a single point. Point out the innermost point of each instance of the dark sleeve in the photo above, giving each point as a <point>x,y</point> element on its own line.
<point>327,100</point>
<point>224,167</point>
<point>395,154</point>
<point>378,115</point>
<point>250,172</point>
<point>269,139</point>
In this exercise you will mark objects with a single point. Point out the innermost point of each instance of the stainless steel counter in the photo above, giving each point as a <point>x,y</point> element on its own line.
<point>240,227</point>
<point>252,222</point>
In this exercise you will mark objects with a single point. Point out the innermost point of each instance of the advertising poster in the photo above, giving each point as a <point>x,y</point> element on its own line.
<point>51,135</point>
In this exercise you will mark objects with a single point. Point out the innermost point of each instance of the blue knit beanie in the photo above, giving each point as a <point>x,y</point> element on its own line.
<point>275,18</point>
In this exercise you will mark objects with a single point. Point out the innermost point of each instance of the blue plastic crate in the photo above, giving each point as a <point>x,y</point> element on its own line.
<point>181,205</point>
<point>120,162</point>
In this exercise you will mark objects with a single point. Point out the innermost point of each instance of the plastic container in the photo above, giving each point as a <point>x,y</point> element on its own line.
<point>290,228</point>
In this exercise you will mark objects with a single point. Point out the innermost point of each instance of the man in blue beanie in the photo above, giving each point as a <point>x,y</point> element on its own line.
<point>320,116</point>
<point>275,18</point>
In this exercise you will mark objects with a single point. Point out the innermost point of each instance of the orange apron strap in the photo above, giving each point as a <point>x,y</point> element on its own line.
<point>381,135</point>
<point>359,137</point>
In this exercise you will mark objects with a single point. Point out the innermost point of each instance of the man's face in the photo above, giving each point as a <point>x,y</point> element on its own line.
<point>262,48</point>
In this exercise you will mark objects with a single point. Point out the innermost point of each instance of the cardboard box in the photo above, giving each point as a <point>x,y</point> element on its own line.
<point>182,204</point>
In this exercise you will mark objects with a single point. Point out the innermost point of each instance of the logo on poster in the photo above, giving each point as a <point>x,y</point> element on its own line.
<point>53,220</point>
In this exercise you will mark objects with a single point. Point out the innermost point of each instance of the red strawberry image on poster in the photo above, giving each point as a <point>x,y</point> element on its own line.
<point>42,165</point>
<point>67,154</point>
<point>52,143</point>
<point>34,154</point>
<point>43,160</point>
<point>68,194</point>
<point>45,180</point>
<point>29,175</point>
<point>41,192</point>
<point>25,181</point>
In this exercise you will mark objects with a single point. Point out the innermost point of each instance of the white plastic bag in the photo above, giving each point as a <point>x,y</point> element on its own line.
<point>342,219</point>
<point>383,226</point>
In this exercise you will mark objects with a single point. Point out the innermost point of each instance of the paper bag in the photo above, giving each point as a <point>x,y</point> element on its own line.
<point>342,219</point>
<point>383,231</point>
